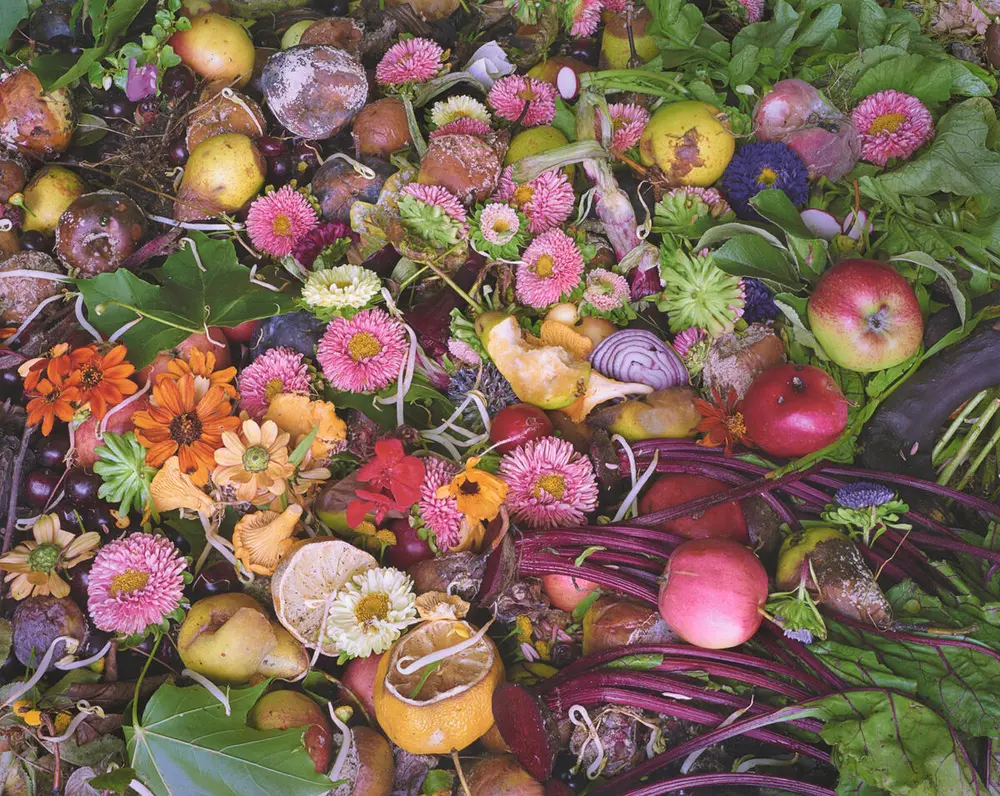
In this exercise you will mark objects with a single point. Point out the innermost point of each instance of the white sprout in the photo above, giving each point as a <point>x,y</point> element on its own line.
<point>118,407</point>
<point>85,710</point>
<point>360,168</point>
<point>194,252</point>
<point>345,745</point>
<point>236,99</point>
<point>253,274</point>
<point>141,789</point>
<point>84,322</point>
<point>642,231</point>
<point>416,664</point>
<point>121,330</point>
<point>67,666</point>
<point>581,718</point>
<point>754,762</point>
<point>628,504</point>
<point>586,202</point>
<point>693,757</point>
<point>211,687</point>
<point>197,227</point>
<point>30,272</point>
<point>43,667</point>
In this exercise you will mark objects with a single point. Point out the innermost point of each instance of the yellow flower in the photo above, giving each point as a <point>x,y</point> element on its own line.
<point>62,722</point>
<point>524,629</point>
<point>477,493</point>
<point>256,464</point>
<point>261,539</point>
<point>171,489</point>
<point>26,711</point>
<point>33,566</point>
<point>297,415</point>
<point>438,605</point>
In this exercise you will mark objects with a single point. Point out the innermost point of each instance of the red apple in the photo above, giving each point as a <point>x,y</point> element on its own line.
<point>514,425</point>
<point>566,592</point>
<point>241,333</point>
<point>85,437</point>
<point>200,341</point>
<point>216,48</point>
<point>721,522</point>
<point>359,679</point>
<point>792,410</point>
<point>866,316</point>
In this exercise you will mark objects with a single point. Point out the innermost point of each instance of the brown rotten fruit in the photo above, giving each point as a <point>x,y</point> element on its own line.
<point>38,124</point>
<point>19,295</point>
<point>219,113</point>
<point>98,231</point>
<point>381,129</point>
<point>466,165</point>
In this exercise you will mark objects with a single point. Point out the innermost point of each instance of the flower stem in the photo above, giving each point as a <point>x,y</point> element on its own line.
<point>142,675</point>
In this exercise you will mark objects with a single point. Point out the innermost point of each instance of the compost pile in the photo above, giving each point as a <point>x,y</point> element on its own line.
<point>481,397</point>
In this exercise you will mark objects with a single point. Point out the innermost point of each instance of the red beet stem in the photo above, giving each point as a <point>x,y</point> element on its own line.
<point>747,780</point>
<point>914,638</point>
<point>799,651</point>
<point>657,704</point>
<point>616,580</point>
<point>742,675</point>
<point>693,653</point>
<point>621,543</point>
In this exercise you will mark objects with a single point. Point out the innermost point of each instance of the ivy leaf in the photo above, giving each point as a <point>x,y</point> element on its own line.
<point>186,743</point>
<point>211,288</point>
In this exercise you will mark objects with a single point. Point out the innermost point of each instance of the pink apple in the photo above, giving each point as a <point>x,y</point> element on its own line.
<point>200,341</point>
<point>866,316</point>
<point>241,333</point>
<point>85,437</point>
<point>566,592</point>
<point>792,410</point>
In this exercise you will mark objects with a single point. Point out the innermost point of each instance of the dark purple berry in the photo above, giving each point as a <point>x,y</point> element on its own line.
<point>306,159</point>
<point>280,170</point>
<point>118,108</point>
<point>81,487</point>
<point>177,153</point>
<point>220,578</point>
<point>11,385</point>
<point>79,578</point>
<point>69,515</point>
<point>39,487</point>
<point>270,146</point>
<point>586,50</point>
<point>177,81</point>
<point>35,241</point>
<point>50,451</point>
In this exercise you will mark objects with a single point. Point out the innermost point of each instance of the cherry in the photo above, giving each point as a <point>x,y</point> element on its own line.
<point>177,152</point>
<point>79,580</point>
<point>118,107</point>
<point>50,451</point>
<point>39,487</point>
<point>219,578</point>
<point>99,518</point>
<point>306,160</point>
<point>586,50</point>
<point>280,169</point>
<point>177,81</point>
<point>69,516</point>
<point>271,147</point>
<point>517,424</point>
<point>178,540</point>
<point>81,487</point>
<point>35,241</point>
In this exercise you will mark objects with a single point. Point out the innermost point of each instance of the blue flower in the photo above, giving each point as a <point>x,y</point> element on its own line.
<point>863,495</point>
<point>758,301</point>
<point>760,166</point>
<point>489,381</point>
<point>803,635</point>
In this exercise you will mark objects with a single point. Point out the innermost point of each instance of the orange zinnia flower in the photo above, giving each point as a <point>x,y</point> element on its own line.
<point>182,424</point>
<point>201,365</point>
<point>102,378</point>
<point>723,422</point>
<point>53,363</point>
<point>49,400</point>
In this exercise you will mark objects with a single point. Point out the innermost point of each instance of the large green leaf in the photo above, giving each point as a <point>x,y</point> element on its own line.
<point>188,299</point>
<point>186,744</point>
<point>752,255</point>
<point>958,161</point>
<point>11,14</point>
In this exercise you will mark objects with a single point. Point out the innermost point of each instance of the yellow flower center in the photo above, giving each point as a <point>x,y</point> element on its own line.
<point>365,527</point>
<point>523,194</point>
<point>273,389</point>
<point>886,123</point>
<point>527,94</point>
<point>371,607</point>
<point>501,225</point>
<point>554,484</point>
<point>544,265</point>
<point>767,176</point>
<point>282,225</point>
<point>363,345</point>
<point>735,425</point>
<point>255,459</point>
<point>90,377</point>
<point>131,580</point>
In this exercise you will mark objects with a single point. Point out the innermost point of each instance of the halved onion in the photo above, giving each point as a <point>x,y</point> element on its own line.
<point>637,355</point>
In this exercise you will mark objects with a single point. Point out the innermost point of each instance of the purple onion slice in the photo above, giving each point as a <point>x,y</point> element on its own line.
<point>637,355</point>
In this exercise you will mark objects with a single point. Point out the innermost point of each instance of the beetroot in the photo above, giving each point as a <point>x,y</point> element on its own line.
<point>528,728</point>
<point>712,594</point>
<point>721,522</point>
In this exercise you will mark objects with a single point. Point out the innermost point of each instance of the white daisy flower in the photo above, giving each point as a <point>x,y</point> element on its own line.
<point>371,612</point>
<point>455,108</point>
<point>342,286</point>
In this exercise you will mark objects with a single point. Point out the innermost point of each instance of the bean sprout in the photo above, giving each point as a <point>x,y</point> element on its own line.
<point>209,686</point>
<point>84,322</point>
<point>30,318</point>
<point>416,664</point>
<point>581,718</point>
<point>236,99</point>
<point>43,667</point>
<point>345,745</point>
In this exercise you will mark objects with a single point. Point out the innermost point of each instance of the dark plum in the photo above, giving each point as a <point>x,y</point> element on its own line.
<point>219,578</point>
<point>99,518</point>
<point>52,24</point>
<point>117,106</point>
<point>70,516</point>
<point>98,231</point>
<point>35,241</point>
<point>271,147</point>
<point>300,331</point>
<point>178,539</point>
<point>39,487</point>
<point>51,450</point>
<point>81,487</point>
<point>177,81</point>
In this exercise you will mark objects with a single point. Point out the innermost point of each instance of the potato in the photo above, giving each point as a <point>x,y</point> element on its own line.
<point>36,123</point>
<point>222,175</point>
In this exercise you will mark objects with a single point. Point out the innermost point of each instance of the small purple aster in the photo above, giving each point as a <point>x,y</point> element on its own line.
<point>863,495</point>
<point>803,635</point>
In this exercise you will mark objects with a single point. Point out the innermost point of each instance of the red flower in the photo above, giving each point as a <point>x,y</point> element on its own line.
<point>723,422</point>
<point>396,477</point>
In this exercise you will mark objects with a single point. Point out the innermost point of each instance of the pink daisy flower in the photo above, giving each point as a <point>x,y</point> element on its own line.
<point>499,223</point>
<point>510,95</point>
<point>546,201</point>
<point>436,196</point>
<point>552,265</point>
<point>627,123</point>
<point>135,582</point>
<point>586,18</point>
<point>464,353</point>
<point>754,9</point>
<point>441,515</point>
<point>684,340</point>
<point>364,353</point>
<point>277,370</point>
<point>276,222</point>
<point>410,61</point>
<point>466,126</point>
<point>892,125</point>
<point>606,290</point>
<point>550,484</point>
<point>505,185</point>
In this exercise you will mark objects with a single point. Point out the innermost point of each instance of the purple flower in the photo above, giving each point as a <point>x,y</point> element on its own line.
<point>141,82</point>
<point>863,495</point>
<point>645,282</point>
<point>801,634</point>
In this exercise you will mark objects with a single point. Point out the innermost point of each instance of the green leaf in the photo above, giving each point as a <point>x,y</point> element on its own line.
<point>744,65</point>
<point>860,667</point>
<point>187,301</point>
<point>777,208</point>
<point>820,28</point>
<point>117,780</point>
<point>958,161</point>
<point>185,743</point>
<point>6,639</point>
<point>303,447</point>
<point>871,24</point>
<point>751,255</point>
<point>962,303</point>
<point>437,780</point>
<point>89,130</point>
<point>12,12</point>
<point>928,80</point>
<point>896,743</point>
<point>637,663</point>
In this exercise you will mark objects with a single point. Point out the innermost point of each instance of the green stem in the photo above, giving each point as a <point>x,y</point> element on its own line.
<point>411,120</point>
<point>946,437</point>
<point>142,675</point>
<point>980,458</point>
<point>974,433</point>
<point>451,283</point>
<point>144,314</point>
<point>530,167</point>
